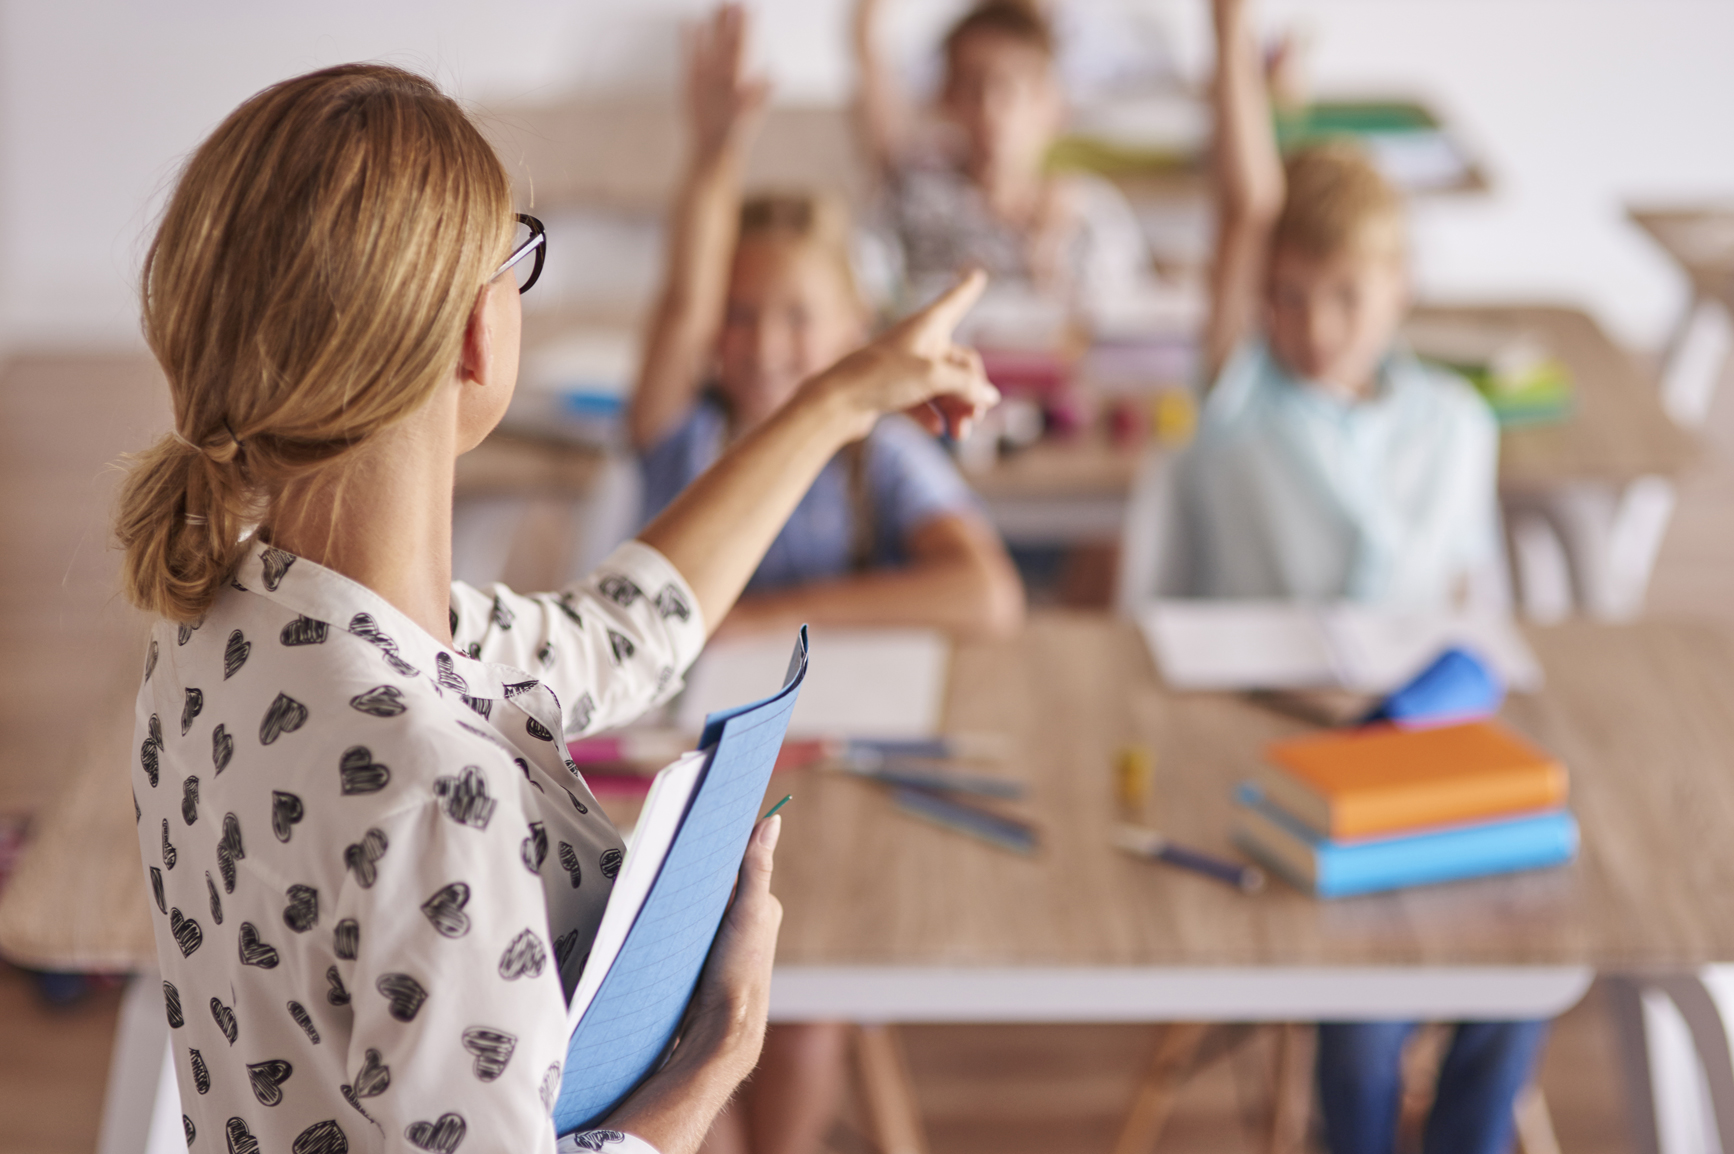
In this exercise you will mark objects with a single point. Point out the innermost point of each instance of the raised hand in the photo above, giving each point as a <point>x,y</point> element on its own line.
<point>915,366</point>
<point>723,105</point>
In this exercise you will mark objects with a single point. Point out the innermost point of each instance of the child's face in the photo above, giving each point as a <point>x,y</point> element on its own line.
<point>789,315</point>
<point>1003,94</point>
<point>1332,319</point>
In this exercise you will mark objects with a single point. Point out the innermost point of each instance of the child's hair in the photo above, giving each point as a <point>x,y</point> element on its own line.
<point>1338,201</point>
<point>817,219</point>
<point>1017,20</point>
<point>309,285</point>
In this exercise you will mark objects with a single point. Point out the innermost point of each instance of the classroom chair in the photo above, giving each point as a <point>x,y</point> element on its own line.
<point>1675,1047</point>
<point>1696,356</point>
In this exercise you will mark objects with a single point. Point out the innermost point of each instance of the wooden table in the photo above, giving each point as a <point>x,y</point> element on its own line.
<point>1618,431</point>
<point>888,919</point>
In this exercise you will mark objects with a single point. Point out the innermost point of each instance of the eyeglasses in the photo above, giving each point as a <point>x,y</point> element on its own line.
<point>530,242</point>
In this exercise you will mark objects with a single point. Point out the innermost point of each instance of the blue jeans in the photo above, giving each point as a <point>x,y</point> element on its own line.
<point>1360,1082</point>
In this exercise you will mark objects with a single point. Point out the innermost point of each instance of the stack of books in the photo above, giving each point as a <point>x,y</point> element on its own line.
<point>1380,808</point>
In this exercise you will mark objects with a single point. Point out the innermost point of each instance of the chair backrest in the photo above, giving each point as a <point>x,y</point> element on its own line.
<point>1153,560</point>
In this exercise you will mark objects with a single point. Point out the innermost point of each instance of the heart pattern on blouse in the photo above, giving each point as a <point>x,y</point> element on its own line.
<point>186,932</point>
<point>305,1020</point>
<point>442,1135</point>
<point>304,631</point>
<point>222,748</point>
<point>446,910</point>
<point>267,1080</point>
<point>302,912</point>
<point>346,939</point>
<point>235,652</point>
<point>286,811</point>
<point>525,955</point>
<point>229,851</point>
<point>492,1049</point>
<point>403,995</point>
<point>360,858</point>
<point>357,772</point>
<point>285,715</point>
<point>225,1019</point>
<point>380,701</point>
<point>255,952</point>
<point>325,1137</point>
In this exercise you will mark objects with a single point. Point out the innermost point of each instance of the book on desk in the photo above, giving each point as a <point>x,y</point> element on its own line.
<point>1380,808</point>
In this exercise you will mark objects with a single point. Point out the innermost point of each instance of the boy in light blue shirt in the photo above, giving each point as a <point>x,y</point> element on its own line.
<point>1294,490</point>
<point>1329,463</point>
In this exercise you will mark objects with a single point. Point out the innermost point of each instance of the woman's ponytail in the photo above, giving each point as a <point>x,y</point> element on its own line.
<point>183,516</point>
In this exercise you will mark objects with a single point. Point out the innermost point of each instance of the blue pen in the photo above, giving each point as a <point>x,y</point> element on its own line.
<point>1147,843</point>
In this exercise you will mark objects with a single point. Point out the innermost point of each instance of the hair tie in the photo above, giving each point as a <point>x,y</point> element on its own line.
<point>240,445</point>
<point>194,519</point>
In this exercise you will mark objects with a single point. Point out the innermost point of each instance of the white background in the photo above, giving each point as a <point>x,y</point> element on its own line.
<point>1577,106</point>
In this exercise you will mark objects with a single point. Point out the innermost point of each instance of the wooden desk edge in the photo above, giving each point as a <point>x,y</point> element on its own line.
<point>1173,993</point>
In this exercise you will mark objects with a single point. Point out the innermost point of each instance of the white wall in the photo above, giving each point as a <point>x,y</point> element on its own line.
<point>1576,105</point>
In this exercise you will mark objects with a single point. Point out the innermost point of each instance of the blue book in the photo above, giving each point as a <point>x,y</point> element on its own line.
<point>1334,869</point>
<point>667,905</point>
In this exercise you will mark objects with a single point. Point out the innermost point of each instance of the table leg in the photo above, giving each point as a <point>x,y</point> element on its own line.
<point>1160,1089</point>
<point>1534,1122</point>
<point>1292,1090</point>
<point>885,1082</point>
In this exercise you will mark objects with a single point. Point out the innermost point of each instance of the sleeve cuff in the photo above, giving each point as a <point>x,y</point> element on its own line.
<point>603,1142</point>
<point>673,597</point>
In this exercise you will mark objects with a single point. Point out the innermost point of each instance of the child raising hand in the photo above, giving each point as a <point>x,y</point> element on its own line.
<point>758,296</point>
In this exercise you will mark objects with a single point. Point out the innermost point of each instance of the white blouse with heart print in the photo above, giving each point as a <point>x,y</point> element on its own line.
<point>377,872</point>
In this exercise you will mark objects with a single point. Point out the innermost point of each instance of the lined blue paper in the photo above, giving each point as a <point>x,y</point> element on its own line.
<point>630,1026</point>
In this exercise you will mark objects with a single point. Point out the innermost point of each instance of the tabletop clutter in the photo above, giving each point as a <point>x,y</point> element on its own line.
<point>1422,786</point>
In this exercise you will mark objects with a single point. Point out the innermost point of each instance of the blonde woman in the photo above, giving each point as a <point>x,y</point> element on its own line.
<point>374,868</point>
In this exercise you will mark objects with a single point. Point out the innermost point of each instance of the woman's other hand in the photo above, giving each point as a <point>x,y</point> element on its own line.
<point>719,1047</point>
<point>915,366</point>
<point>723,105</point>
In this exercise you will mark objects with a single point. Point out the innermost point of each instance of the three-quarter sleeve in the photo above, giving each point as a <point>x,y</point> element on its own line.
<point>610,646</point>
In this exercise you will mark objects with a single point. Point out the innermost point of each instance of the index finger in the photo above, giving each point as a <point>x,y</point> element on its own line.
<point>945,313</point>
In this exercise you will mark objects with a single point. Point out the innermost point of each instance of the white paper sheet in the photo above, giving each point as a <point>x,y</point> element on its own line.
<point>877,683</point>
<point>1231,645</point>
<point>658,822</point>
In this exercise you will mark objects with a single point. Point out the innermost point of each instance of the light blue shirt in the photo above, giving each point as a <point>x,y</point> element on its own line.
<point>1290,492</point>
<point>910,480</point>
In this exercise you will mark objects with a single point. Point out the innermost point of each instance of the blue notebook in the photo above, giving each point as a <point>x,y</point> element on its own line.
<point>631,1023</point>
<point>1334,869</point>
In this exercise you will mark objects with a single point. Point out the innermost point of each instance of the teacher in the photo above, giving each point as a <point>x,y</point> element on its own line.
<point>376,873</point>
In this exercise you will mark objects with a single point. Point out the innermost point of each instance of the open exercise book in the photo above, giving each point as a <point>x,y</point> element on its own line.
<point>1230,645</point>
<point>667,904</point>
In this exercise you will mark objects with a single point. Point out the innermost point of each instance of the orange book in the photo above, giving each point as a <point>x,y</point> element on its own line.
<point>1384,780</point>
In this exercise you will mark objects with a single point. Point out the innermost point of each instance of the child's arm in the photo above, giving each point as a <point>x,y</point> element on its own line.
<point>722,109</point>
<point>958,579</point>
<point>1249,188</point>
<point>879,102</point>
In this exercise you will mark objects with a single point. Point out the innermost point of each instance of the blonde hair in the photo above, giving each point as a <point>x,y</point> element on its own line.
<point>308,286</point>
<point>1337,202</point>
<point>816,219</point>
